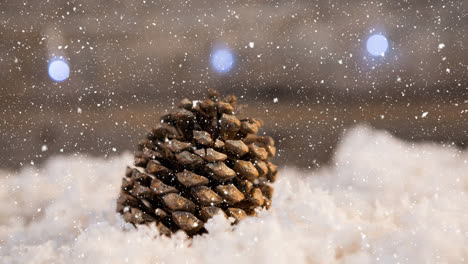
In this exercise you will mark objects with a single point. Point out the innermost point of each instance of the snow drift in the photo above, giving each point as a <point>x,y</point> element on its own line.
<point>382,201</point>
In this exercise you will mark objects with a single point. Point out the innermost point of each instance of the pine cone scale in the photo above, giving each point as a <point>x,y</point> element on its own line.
<point>190,179</point>
<point>176,202</point>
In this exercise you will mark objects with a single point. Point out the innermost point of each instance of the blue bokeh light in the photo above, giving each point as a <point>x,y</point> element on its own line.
<point>58,69</point>
<point>222,60</point>
<point>377,45</point>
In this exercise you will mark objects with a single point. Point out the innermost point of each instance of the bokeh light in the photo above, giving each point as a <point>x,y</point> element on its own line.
<point>377,45</point>
<point>222,60</point>
<point>58,69</point>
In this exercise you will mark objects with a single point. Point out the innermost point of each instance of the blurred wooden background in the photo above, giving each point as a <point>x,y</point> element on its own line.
<point>132,60</point>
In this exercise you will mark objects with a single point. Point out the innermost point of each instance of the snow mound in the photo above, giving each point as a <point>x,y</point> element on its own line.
<point>382,201</point>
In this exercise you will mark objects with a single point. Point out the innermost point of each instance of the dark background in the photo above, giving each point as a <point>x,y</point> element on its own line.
<point>133,60</point>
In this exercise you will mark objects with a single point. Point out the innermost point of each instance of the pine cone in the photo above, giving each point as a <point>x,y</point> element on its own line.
<point>199,162</point>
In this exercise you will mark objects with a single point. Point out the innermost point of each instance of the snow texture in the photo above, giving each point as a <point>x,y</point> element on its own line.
<point>382,201</point>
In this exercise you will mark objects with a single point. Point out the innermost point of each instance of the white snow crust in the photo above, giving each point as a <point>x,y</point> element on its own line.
<point>381,201</point>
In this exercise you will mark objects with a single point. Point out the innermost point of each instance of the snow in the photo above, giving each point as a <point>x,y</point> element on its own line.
<point>382,201</point>
<point>44,148</point>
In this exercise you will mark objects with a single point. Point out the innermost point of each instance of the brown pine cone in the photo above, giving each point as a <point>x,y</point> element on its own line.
<point>199,162</point>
